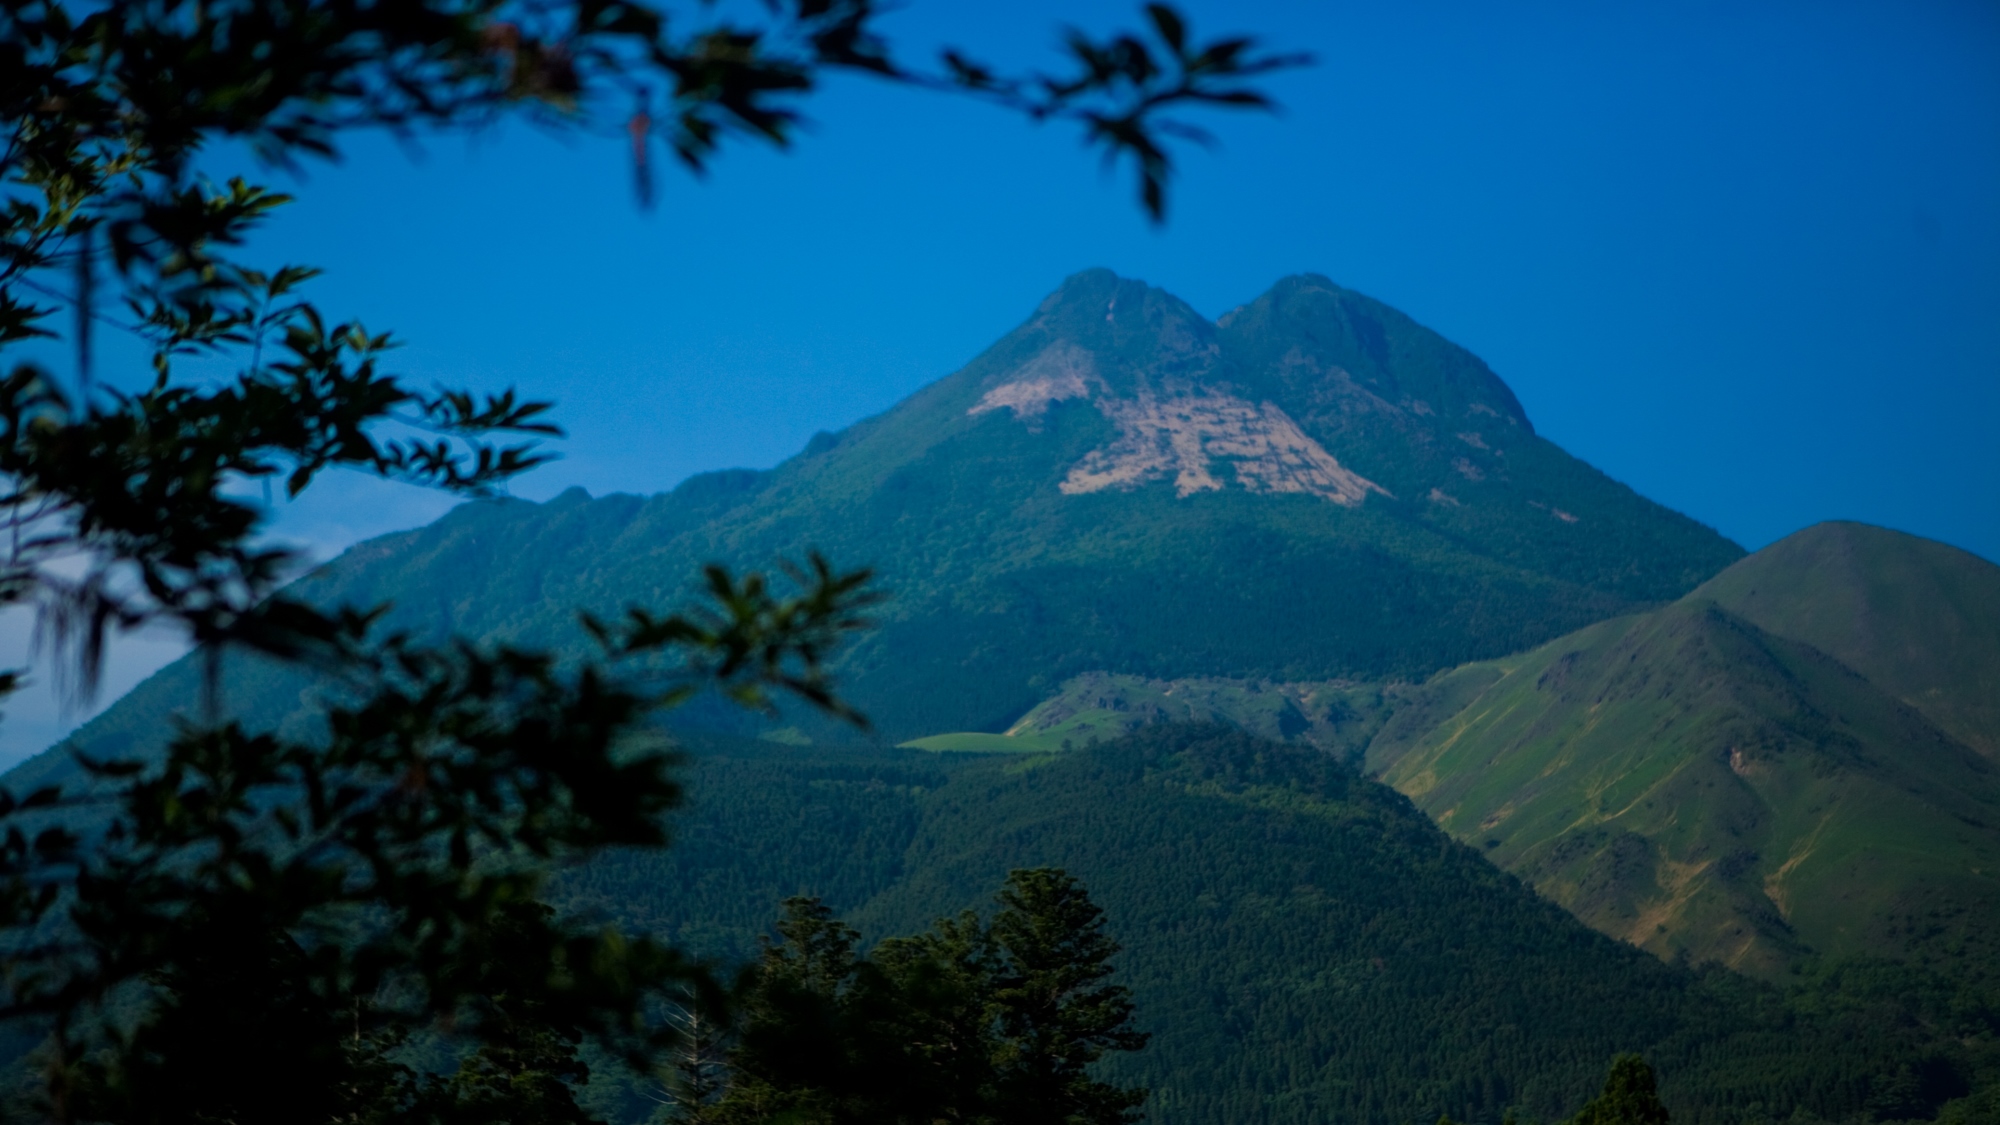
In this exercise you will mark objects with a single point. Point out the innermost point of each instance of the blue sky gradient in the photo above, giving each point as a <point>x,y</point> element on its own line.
<point>1744,258</point>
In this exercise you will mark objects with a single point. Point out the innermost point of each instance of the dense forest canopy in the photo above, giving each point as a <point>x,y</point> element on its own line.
<point>1301,942</point>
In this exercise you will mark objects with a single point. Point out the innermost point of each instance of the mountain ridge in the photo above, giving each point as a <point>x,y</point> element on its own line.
<point>1919,617</point>
<point>1003,583</point>
<point>1690,782</point>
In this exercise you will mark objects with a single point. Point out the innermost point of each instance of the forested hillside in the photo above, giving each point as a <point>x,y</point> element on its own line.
<point>1303,943</point>
<point>1792,761</point>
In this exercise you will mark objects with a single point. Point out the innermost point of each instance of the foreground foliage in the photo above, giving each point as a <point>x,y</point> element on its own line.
<point>973,1020</point>
<point>271,902</point>
<point>1630,1097</point>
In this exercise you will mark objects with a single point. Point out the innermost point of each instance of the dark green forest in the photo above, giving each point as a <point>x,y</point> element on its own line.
<point>1302,943</point>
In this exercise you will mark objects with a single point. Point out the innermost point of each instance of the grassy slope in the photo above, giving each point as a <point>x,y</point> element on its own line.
<point>977,742</point>
<point>1918,618</point>
<point>1687,781</point>
<point>1338,716</point>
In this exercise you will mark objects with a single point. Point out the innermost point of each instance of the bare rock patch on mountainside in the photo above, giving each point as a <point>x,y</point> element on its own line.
<point>1187,438</point>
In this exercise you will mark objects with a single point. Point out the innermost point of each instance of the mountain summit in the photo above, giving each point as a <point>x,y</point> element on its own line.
<point>1205,406</point>
<point>1313,487</point>
<point>1189,409</point>
<point>1794,760</point>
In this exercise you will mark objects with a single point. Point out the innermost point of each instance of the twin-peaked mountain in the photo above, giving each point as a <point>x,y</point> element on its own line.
<point>1312,487</point>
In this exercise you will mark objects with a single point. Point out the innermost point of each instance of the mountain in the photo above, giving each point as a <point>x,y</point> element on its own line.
<point>1705,779</point>
<point>1793,760</point>
<point>1917,618</point>
<point>1304,944</point>
<point>1313,487</point>
<point>1319,518</point>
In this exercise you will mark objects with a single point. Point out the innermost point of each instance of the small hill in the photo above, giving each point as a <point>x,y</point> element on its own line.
<point>1339,716</point>
<point>1919,619</point>
<point>1694,782</point>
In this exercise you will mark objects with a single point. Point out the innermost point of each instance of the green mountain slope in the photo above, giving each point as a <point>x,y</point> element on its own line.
<point>1918,618</point>
<point>1687,781</point>
<point>1706,778</point>
<point>1316,487</point>
<point>1305,945</point>
<point>1339,716</point>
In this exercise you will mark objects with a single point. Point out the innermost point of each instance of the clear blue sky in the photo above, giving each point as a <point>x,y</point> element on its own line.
<point>1744,258</point>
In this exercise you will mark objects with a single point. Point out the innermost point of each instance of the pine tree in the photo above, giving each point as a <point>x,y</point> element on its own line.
<point>525,1068</point>
<point>941,1010</point>
<point>799,1050</point>
<point>1630,1097</point>
<point>968,1022</point>
<point>524,1073</point>
<point>697,1072</point>
<point>1057,1016</point>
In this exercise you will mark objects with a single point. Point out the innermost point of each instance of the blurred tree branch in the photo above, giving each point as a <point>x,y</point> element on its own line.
<point>248,902</point>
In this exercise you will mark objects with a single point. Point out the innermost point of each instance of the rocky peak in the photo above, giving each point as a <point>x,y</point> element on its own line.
<point>1138,337</point>
<point>1152,366</point>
